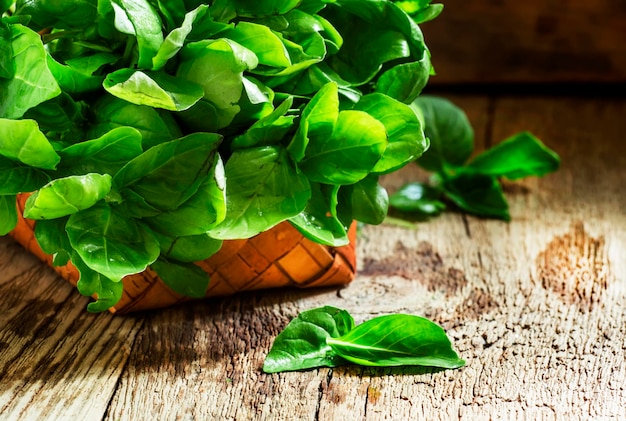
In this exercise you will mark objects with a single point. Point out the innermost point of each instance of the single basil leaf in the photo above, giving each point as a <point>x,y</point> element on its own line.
<point>8,214</point>
<point>225,61</point>
<point>264,188</point>
<point>106,292</point>
<point>203,211</point>
<point>176,39</point>
<point>405,82</point>
<point>449,131</point>
<point>53,240</point>
<point>24,142</point>
<point>72,80</point>
<point>90,64</point>
<point>478,194</point>
<point>404,131</point>
<point>105,155</point>
<point>268,130</point>
<point>65,196</point>
<point>168,174</point>
<point>154,89</point>
<point>60,116</point>
<point>7,63</point>
<point>183,278</point>
<point>155,125</point>
<point>267,46</point>
<point>66,14</point>
<point>521,155</point>
<point>366,201</point>
<point>318,221</point>
<point>395,340</point>
<point>420,10</point>
<point>32,83</point>
<point>16,178</point>
<point>303,343</point>
<point>350,153</point>
<point>111,243</point>
<point>138,17</point>
<point>418,198</point>
<point>317,120</point>
<point>190,248</point>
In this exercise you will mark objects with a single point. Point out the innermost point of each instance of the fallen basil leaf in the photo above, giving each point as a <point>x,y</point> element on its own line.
<point>478,194</point>
<point>303,343</point>
<point>521,155</point>
<point>418,198</point>
<point>397,340</point>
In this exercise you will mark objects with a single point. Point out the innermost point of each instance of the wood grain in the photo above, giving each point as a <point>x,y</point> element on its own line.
<point>508,41</point>
<point>535,306</point>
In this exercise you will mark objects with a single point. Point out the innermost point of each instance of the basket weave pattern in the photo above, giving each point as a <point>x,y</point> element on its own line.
<point>280,257</point>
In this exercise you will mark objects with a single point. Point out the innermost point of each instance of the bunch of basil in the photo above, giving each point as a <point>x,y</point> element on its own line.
<point>149,131</point>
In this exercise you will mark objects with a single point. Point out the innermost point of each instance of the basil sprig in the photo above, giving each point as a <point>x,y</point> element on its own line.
<point>472,185</point>
<point>328,337</point>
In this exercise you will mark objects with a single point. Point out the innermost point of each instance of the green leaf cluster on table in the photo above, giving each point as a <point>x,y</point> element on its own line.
<point>470,184</point>
<point>327,337</point>
<point>150,131</point>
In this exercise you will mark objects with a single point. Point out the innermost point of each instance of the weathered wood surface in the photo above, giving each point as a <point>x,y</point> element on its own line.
<point>500,41</point>
<point>535,306</point>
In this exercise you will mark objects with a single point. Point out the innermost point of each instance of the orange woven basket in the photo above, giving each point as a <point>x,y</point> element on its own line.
<point>280,257</point>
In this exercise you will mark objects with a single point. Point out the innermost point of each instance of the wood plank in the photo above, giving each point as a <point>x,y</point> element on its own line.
<point>535,306</point>
<point>505,41</point>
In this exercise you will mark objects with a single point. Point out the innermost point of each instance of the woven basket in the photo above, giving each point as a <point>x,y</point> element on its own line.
<point>280,257</point>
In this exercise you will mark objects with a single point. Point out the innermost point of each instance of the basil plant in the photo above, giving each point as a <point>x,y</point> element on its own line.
<point>147,132</point>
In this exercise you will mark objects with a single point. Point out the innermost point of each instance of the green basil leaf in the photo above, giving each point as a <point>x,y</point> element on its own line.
<point>90,64</point>
<point>138,17</point>
<point>449,131</point>
<point>106,292</point>
<point>350,153</point>
<point>268,130</point>
<point>395,340</point>
<point>478,194</point>
<point>111,243</point>
<point>521,155</point>
<point>5,5</point>
<point>33,83</point>
<point>366,201</point>
<point>418,198</point>
<point>225,61</point>
<point>318,119</point>
<point>65,196</point>
<point>420,10</point>
<point>267,46</point>
<point>183,278</point>
<point>203,211</point>
<point>66,14</point>
<point>24,142</point>
<point>168,174</point>
<point>8,214</point>
<point>155,125</point>
<point>190,248</point>
<point>7,63</point>
<point>406,81</point>
<point>60,116</point>
<point>264,189</point>
<point>72,80</point>
<point>175,40</point>
<point>105,155</point>
<point>303,343</point>
<point>16,178</point>
<point>319,221</point>
<point>53,240</point>
<point>154,89</point>
<point>404,131</point>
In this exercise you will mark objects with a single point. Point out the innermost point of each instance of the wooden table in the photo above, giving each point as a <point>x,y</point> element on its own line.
<point>535,306</point>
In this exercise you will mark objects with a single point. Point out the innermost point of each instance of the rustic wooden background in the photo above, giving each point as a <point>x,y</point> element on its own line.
<point>535,306</point>
<point>504,41</point>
